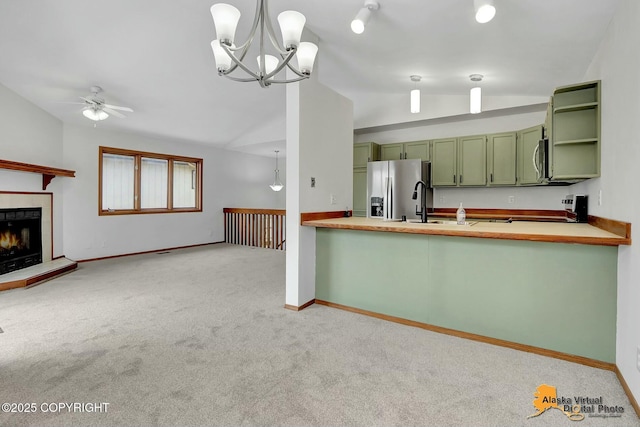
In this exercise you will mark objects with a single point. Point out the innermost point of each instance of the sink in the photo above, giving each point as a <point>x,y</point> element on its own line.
<point>440,221</point>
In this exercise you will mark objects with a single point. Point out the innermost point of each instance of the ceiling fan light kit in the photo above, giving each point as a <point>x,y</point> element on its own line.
<point>94,114</point>
<point>96,109</point>
<point>228,57</point>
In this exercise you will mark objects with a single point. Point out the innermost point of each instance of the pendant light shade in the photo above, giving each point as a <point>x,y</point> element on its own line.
<point>277,184</point>
<point>415,95</point>
<point>415,101</point>
<point>475,95</point>
<point>485,10</point>
<point>475,100</point>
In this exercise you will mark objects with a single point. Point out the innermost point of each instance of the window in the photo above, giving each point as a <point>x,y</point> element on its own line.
<point>132,182</point>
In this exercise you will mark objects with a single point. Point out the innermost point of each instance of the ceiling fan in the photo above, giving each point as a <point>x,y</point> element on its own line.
<point>96,109</point>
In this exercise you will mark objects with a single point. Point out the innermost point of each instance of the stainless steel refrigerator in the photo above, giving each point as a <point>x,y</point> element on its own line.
<point>390,187</point>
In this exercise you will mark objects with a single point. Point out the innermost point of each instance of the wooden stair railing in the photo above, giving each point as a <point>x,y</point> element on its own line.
<point>263,228</point>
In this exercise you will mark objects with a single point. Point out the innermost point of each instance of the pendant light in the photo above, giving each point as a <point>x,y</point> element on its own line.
<point>475,96</point>
<point>415,95</point>
<point>277,184</point>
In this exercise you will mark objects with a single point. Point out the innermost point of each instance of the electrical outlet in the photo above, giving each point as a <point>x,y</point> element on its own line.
<point>600,197</point>
<point>313,182</point>
<point>332,199</point>
<point>512,199</point>
<point>638,359</point>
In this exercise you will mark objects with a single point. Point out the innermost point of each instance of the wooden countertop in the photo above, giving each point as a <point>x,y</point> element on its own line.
<point>556,232</point>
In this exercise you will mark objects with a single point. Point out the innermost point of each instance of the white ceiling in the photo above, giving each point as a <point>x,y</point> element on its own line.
<point>154,56</point>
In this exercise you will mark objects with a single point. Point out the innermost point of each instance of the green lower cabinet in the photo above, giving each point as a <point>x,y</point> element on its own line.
<point>556,296</point>
<point>501,159</point>
<point>472,161</point>
<point>360,192</point>
<point>444,160</point>
<point>527,144</point>
<point>392,152</point>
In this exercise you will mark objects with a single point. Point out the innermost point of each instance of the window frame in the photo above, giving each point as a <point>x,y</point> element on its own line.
<point>138,155</point>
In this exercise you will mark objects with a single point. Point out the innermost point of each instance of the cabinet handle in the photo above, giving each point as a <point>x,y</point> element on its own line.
<point>454,179</point>
<point>400,156</point>
<point>405,155</point>
<point>460,179</point>
<point>491,177</point>
<point>368,159</point>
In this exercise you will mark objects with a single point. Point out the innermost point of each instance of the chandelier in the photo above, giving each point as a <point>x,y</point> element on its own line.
<point>277,184</point>
<point>229,58</point>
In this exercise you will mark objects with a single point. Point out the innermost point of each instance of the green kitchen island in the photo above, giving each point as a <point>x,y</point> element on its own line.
<point>551,286</point>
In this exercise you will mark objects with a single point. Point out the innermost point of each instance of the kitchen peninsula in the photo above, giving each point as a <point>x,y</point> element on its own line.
<point>548,285</point>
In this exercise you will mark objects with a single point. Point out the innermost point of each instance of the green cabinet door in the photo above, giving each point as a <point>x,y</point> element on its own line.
<point>364,152</point>
<point>392,151</point>
<point>472,160</point>
<point>360,192</point>
<point>443,162</point>
<point>501,159</point>
<point>417,150</point>
<point>527,144</point>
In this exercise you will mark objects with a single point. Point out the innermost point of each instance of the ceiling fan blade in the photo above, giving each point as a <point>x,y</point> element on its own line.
<point>71,103</point>
<point>115,113</point>
<point>115,107</point>
<point>89,100</point>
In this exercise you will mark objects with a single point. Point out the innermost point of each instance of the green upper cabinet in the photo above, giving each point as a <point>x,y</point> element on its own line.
<point>501,159</point>
<point>392,151</point>
<point>527,144</point>
<point>472,160</point>
<point>444,162</point>
<point>364,152</point>
<point>407,150</point>
<point>360,192</point>
<point>575,135</point>
<point>417,150</point>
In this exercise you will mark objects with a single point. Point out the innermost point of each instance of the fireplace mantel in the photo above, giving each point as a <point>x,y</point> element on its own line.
<point>48,173</point>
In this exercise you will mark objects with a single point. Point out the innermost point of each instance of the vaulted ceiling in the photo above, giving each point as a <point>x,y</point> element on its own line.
<point>155,57</point>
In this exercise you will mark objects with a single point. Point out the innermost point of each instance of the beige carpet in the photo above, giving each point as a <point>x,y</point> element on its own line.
<point>200,337</point>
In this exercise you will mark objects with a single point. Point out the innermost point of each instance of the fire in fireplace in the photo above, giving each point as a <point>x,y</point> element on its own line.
<point>20,238</point>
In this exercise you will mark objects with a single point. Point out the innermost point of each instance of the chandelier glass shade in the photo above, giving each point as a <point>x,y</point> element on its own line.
<point>229,58</point>
<point>277,184</point>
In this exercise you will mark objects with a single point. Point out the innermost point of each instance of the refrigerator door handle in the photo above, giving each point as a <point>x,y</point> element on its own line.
<point>391,198</point>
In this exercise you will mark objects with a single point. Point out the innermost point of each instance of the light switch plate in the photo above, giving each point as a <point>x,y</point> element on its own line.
<point>313,182</point>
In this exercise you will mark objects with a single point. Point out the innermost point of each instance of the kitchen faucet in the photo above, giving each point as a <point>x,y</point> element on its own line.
<point>423,201</point>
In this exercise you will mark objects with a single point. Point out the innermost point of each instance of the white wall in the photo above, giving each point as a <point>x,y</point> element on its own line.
<point>230,179</point>
<point>617,64</point>
<point>524,197</point>
<point>319,145</point>
<point>28,134</point>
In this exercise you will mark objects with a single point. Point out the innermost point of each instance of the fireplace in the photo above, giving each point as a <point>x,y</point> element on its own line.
<point>20,238</point>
